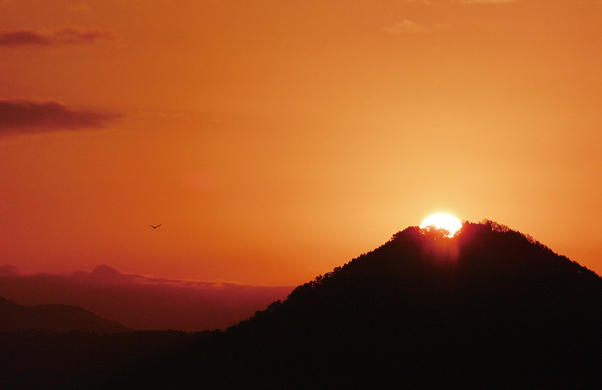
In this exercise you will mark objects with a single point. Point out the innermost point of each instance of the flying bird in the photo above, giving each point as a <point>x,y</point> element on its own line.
<point>154,227</point>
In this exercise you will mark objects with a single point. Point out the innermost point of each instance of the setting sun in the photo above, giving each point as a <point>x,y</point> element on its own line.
<point>445,221</point>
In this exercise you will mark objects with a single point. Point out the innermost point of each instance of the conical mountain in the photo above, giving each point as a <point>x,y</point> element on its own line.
<point>487,308</point>
<point>486,271</point>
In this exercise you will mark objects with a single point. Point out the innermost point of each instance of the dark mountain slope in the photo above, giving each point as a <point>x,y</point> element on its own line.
<point>489,307</point>
<point>57,318</point>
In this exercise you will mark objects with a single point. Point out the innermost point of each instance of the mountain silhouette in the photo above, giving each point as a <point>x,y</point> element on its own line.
<point>487,308</point>
<point>56,318</point>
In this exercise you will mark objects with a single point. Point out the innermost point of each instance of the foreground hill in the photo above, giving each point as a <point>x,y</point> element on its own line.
<point>56,318</point>
<point>488,308</point>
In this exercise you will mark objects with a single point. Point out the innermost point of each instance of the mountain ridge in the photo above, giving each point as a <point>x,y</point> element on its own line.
<point>54,318</point>
<point>489,302</point>
<point>143,303</point>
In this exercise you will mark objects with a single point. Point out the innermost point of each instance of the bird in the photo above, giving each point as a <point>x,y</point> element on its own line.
<point>154,227</point>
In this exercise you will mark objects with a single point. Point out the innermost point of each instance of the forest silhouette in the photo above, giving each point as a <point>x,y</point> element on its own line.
<point>487,308</point>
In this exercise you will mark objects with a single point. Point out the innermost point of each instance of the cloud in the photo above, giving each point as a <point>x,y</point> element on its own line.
<point>23,38</point>
<point>410,27</point>
<point>485,1</point>
<point>407,27</point>
<point>8,270</point>
<point>141,302</point>
<point>66,35</point>
<point>80,7</point>
<point>429,2</point>
<point>29,117</point>
<point>419,1</point>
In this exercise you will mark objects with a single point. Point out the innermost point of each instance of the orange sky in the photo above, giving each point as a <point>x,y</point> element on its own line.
<point>276,140</point>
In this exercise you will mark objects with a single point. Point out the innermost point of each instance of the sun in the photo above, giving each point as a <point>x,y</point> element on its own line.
<point>445,221</point>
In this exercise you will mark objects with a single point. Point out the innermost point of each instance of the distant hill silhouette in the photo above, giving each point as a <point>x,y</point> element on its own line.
<point>141,302</point>
<point>56,318</point>
<point>487,308</point>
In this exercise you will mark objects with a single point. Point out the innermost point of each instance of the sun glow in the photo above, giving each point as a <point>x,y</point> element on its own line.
<point>445,221</point>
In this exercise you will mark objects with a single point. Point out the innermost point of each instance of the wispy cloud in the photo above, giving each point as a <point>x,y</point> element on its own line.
<point>80,7</point>
<point>410,27</point>
<point>141,302</point>
<point>29,117</point>
<point>419,1</point>
<point>407,27</point>
<point>66,35</point>
<point>485,1</point>
<point>429,2</point>
<point>8,270</point>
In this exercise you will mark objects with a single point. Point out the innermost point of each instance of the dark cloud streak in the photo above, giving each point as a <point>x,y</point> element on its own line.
<point>30,117</point>
<point>23,38</point>
<point>65,35</point>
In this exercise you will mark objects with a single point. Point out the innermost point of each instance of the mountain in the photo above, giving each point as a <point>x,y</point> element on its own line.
<point>56,318</point>
<point>141,302</point>
<point>487,308</point>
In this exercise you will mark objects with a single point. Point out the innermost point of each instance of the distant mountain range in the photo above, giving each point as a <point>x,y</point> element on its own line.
<point>487,308</point>
<point>141,302</point>
<point>55,318</point>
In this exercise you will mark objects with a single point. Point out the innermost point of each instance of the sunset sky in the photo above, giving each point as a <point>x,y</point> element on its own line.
<point>275,140</point>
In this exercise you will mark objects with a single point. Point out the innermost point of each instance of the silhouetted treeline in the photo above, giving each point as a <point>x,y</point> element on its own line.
<point>487,308</point>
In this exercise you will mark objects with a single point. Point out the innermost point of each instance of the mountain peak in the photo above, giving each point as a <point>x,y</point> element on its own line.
<point>104,271</point>
<point>485,303</point>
